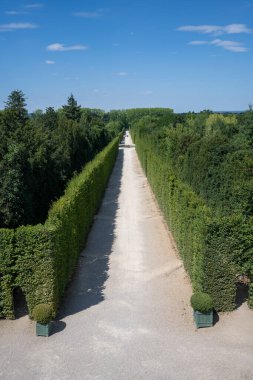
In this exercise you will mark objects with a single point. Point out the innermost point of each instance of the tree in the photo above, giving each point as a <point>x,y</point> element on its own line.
<point>50,118</point>
<point>39,153</point>
<point>71,110</point>
<point>14,200</point>
<point>16,114</point>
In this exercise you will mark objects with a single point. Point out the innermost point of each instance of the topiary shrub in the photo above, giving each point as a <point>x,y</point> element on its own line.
<point>202,302</point>
<point>43,313</point>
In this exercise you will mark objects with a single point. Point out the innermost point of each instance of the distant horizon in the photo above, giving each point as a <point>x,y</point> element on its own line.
<point>186,55</point>
<point>31,111</point>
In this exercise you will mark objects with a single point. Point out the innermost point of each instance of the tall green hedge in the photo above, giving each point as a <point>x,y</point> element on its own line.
<point>7,261</point>
<point>41,259</point>
<point>71,217</point>
<point>212,247</point>
<point>34,265</point>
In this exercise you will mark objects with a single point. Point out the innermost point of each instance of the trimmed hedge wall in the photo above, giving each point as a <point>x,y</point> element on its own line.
<point>34,266</point>
<point>41,259</point>
<point>211,247</point>
<point>71,217</point>
<point>7,261</point>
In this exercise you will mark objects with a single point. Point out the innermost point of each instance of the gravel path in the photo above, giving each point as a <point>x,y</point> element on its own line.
<point>126,314</point>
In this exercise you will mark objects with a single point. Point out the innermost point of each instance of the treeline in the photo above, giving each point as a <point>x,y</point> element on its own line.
<point>40,153</point>
<point>200,167</point>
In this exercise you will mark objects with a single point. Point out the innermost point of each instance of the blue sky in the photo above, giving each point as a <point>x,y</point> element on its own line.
<point>187,55</point>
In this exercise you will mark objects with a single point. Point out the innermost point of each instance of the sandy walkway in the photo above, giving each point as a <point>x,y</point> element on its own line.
<point>127,314</point>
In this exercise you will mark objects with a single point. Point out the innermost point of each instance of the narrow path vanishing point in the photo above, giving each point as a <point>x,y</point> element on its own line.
<point>126,314</point>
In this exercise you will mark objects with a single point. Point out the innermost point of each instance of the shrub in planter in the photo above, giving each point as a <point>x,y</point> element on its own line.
<point>202,302</point>
<point>202,305</point>
<point>43,315</point>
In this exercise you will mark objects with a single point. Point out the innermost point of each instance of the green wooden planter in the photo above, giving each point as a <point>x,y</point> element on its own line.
<point>43,329</point>
<point>203,319</point>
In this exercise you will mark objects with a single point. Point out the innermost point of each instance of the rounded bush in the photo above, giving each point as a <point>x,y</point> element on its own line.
<point>202,302</point>
<point>43,313</point>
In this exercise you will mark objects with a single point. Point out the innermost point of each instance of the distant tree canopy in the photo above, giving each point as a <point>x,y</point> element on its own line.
<point>71,110</point>
<point>39,153</point>
<point>15,107</point>
<point>211,152</point>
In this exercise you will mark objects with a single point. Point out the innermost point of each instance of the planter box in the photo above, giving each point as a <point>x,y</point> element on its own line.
<point>43,330</point>
<point>203,319</point>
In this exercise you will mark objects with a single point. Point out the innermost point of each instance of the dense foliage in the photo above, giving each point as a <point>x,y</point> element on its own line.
<point>39,153</point>
<point>200,168</point>
<point>41,259</point>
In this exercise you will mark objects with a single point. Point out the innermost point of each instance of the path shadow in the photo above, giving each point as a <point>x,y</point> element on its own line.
<point>216,317</point>
<point>19,303</point>
<point>58,326</point>
<point>88,284</point>
<point>242,294</point>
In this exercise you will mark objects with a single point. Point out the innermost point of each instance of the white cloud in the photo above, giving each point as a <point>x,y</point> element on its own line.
<point>234,46</point>
<point>206,29</point>
<point>237,49</point>
<point>87,14</point>
<point>148,92</point>
<point>15,13</point>
<point>17,26</point>
<point>121,74</point>
<point>216,29</point>
<point>34,6</point>
<point>198,43</point>
<point>94,14</point>
<point>61,47</point>
<point>237,28</point>
<point>50,62</point>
